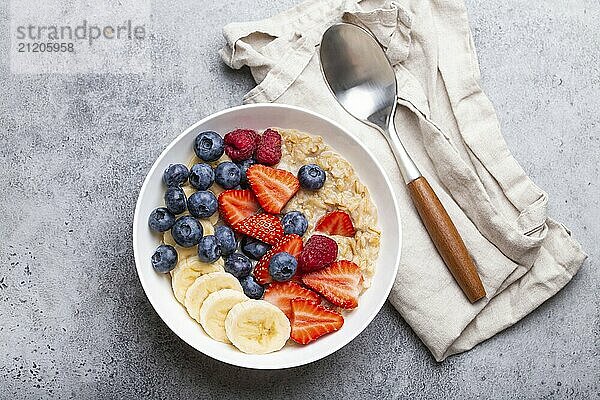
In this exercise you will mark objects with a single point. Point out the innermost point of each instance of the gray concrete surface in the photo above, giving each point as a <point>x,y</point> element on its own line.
<point>74,321</point>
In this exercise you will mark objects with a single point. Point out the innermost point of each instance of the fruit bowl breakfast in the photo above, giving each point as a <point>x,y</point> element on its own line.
<point>267,236</point>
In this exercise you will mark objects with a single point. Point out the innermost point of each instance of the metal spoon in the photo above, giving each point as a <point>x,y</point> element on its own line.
<point>363,81</point>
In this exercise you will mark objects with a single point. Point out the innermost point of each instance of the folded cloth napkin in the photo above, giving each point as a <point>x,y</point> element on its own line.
<point>450,128</point>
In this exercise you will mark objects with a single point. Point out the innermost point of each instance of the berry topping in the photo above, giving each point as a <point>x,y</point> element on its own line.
<point>175,199</point>
<point>273,187</point>
<point>237,205</point>
<point>251,288</point>
<point>227,175</point>
<point>268,151</point>
<point>340,283</point>
<point>254,248</point>
<point>238,265</point>
<point>310,321</point>
<point>202,176</point>
<point>243,166</point>
<point>294,222</point>
<point>311,177</point>
<point>209,146</point>
<point>202,204</point>
<point>291,244</point>
<point>318,252</point>
<point>264,227</point>
<point>240,144</point>
<point>226,239</point>
<point>336,223</point>
<point>281,294</point>
<point>164,258</point>
<point>187,231</point>
<point>282,267</point>
<point>161,220</point>
<point>175,175</point>
<point>208,249</point>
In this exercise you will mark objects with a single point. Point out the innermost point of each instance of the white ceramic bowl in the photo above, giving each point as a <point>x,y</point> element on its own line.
<point>260,116</point>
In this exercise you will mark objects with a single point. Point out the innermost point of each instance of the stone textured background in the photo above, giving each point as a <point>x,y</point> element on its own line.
<point>74,320</point>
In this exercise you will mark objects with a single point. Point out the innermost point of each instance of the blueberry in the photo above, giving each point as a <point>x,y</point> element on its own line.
<point>227,175</point>
<point>238,265</point>
<point>202,204</point>
<point>282,267</point>
<point>201,176</point>
<point>294,222</point>
<point>187,231</point>
<point>254,248</point>
<point>209,249</point>
<point>226,239</point>
<point>161,220</point>
<point>175,175</point>
<point>175,199</point>
<point>311,177</point>
<point>243,166</point>
<point>209,146</point>
<point>251,288</point>
<point>164,258</point>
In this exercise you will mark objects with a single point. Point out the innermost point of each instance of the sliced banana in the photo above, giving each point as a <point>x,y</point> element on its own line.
<point>205,285</point>
<point>207,226</point>
<point>214,311</point>
<point>257,327</point>
<point>186,272</point>
<point>194,263</point>
<point>188,190</point>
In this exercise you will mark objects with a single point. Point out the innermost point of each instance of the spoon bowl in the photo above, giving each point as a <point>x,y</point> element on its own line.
<point>358,73</point>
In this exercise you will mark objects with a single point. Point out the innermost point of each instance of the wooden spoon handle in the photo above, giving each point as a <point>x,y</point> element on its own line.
<point>446,238</point>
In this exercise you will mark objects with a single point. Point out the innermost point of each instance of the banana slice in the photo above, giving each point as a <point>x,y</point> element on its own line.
<point>208,226</point>
<point>257,327</point>
<point>205,285</point>
<point>188,190</point>
<point>214,311</point>
<point>186,272</point>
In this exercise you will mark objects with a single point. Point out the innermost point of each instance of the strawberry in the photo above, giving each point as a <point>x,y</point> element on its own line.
<point>310,321</point>
<point>340,283</point>
<point>264,227</point>
<point>237,205</point>
<point>318,252</point>
<point>281,294</point>
<point>289,243</point>
<point>336,223</point>
<point>273,187</point>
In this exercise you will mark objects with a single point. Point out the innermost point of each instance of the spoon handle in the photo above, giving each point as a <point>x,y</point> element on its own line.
<point>446,238</point>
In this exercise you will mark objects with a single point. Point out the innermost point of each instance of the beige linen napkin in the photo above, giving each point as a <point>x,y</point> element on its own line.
<point>450,128</point>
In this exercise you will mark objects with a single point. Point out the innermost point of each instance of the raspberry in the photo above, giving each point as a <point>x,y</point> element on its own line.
<point>268,151</point>
<point>240,144</point>
<point>318,252</point>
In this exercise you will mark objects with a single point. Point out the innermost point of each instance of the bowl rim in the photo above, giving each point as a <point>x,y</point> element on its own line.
<point>265,107</point>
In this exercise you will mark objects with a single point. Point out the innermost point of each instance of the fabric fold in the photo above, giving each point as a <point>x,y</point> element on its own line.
<point>450,128</point>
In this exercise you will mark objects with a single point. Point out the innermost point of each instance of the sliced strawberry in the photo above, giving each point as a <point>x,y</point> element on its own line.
<point>281,295</point>
<point>237,205</point>
<point>336,223</point>
<point>340,283</point>
<point>264,227</point>
<point>310,321</point>
<point>291,243</point>
<point>318,252</point>
<point>273,187</point>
